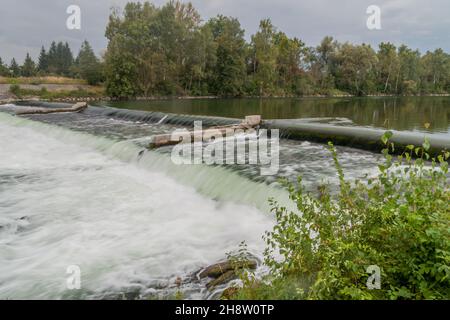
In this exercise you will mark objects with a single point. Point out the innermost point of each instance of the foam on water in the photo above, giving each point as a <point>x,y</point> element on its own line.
<point>69,198</point>
<point>81,189</point>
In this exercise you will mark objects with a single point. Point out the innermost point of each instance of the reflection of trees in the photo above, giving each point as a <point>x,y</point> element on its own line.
<point>406,113</point>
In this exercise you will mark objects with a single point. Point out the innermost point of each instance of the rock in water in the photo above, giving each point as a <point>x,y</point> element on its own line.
<point>218,269</point>
<point>224,272</point>
<point>223,279</point>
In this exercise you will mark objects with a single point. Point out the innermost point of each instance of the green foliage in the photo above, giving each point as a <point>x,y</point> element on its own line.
<point>43,61</point>
<point>29,67</point>
<point>14,68</point>
<point>356,69</point>
<point>398,220</point>
<point>157,50</point>
<point>408,79</point>
<point>435,74</point>
<point>15,89</point>
<point>50,95</point>
<point>60,59</point>
<point>229,69</point>
<point>168,50</point>
<point>4,71</point>
<point>323,60</point>
<point>120,71</point>
<point>388,68</point>
<point>240,262</point>
<point>264,55</point>
<point>87,65</point>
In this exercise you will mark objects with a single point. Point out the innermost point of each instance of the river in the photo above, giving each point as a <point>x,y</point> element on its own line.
<point>82,189</point>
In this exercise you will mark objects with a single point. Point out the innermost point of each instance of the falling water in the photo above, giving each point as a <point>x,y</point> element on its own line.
<point>76,189</point>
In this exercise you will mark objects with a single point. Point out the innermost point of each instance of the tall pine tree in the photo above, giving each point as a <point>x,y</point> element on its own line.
<point>3,69</point>
<point>87,64</point>
<point>66,60</point>
<point>28,67</point>
<point>60,59</point>
<point>43,61</point>
<point>52,58</point>
<point>14,68</point>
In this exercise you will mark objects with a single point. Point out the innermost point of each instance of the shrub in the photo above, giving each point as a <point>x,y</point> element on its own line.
<point>398,220</point>
<point>15,89</point>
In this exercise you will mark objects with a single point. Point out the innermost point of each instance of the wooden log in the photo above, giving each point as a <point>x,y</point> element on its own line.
<point>252,121</point>
<point>78,107</point>
<point>249,123</point>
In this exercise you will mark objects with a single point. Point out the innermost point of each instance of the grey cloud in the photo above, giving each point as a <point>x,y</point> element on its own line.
<point>28,24</point>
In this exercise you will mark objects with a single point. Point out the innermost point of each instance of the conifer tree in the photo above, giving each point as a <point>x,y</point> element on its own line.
<point>87,65</point>
<point>43,61</point>
<point>14,68</point>
<point>28,68</point>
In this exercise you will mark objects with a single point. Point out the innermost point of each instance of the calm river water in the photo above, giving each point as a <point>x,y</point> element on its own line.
<point>399,113</point>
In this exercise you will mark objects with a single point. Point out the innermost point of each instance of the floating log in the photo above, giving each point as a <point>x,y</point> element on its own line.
<point>78,107</point>
<point>249,123</point>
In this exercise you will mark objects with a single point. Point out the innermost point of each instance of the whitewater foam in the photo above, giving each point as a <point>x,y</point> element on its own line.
<point>69,198</point>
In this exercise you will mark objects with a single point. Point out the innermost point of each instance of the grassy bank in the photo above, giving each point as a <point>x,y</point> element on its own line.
<point>46,94</point>
<point>42,80</point>
<point>56,87</point>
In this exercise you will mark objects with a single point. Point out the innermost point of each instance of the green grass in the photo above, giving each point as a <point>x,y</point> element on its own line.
<point>43,93</point>
<point>42,80</point>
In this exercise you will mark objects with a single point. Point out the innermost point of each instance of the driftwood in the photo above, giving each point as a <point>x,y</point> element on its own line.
<point>78,107</point>
<point>249,123</point>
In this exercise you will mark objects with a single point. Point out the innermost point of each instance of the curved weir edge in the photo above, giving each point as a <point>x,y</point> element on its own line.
<point>296,129</point>
<point>356,137</point>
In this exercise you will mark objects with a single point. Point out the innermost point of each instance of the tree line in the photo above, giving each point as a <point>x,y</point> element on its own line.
<point>58,60</point>
<point>168,50</point>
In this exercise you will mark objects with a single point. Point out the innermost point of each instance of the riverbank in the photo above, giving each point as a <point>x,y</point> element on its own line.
<point>71,93</point>
<point>62,89</point>
<point>42,80</point>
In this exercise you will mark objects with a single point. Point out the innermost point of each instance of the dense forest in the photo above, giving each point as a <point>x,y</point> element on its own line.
<point>170,50</point>
<point>59,61</point>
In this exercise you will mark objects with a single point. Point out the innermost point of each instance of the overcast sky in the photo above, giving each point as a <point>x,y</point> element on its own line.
<point>424,24</point>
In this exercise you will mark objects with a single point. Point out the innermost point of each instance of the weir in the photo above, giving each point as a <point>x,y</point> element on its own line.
<point>62,186</point>
<point>297,129</point>
<point>142,116</point>
<point>202,177</point>
<point>357,137</point>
